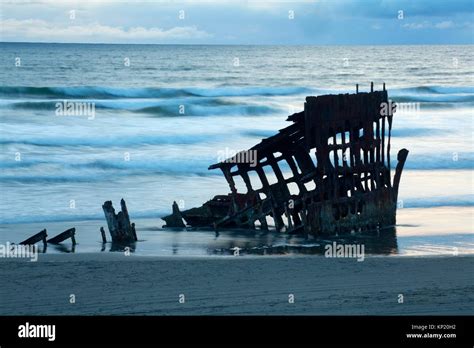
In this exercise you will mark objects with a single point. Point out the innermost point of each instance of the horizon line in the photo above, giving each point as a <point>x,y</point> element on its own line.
<point>234,44</point>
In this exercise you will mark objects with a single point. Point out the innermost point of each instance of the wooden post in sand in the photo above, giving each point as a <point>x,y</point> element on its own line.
<point>134,232</point>
<point>120,228</point>
<point>102,232</point>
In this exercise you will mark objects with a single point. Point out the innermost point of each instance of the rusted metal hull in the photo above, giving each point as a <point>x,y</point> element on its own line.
<point>338,153</point>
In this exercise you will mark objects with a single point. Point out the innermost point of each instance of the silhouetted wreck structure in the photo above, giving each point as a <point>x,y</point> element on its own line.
<point>339,180</point>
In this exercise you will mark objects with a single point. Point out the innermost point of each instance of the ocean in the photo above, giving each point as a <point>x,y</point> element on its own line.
<point>164,113</point>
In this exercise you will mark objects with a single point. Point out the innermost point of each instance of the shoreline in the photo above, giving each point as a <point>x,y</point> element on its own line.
<point>121,257</point>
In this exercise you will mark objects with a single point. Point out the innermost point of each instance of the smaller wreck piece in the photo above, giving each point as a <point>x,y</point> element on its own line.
<point>40,236</point>
<point>70,233</point>
<point>327,173</point>
<point>120,228</point>
<point>175,219</point>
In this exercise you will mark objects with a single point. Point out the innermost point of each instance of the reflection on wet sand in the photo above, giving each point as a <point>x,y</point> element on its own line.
<point>121,247</point>
<point>63,248</point>
<point>240,242</point>
<point>383,242</point>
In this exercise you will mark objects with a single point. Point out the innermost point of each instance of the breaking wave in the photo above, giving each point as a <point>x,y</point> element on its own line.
<point>77,217</point>
<point>220,91</point>
<point>443,98</point>
<point>212,107</point>
<point>433,94</point>
<point>63,171</point>
<point>180,139</point>
<point>434,90</point>
<point>207,101</point>
<point>148,92</point>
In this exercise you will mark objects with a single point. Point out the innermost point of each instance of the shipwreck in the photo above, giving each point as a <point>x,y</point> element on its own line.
<point>339,180</point>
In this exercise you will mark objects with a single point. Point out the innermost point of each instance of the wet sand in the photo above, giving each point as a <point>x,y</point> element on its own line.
<point>113,283</point>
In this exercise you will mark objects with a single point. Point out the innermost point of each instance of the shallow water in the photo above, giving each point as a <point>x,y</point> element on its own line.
<point>440,231</point>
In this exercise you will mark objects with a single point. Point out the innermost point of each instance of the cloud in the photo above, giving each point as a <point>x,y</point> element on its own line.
<point>444,25</point>
<point>35,29</point>
<point>440,25</point>
<point>417,26</point>
<point>238,22</point>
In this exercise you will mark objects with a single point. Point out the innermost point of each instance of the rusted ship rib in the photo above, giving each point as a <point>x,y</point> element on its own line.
<point>338,151</point>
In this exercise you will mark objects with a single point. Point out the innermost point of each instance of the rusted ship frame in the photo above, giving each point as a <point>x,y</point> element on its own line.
<point>338,151</point>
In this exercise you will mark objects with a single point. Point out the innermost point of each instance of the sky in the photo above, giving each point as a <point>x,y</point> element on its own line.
<point>272,22</point>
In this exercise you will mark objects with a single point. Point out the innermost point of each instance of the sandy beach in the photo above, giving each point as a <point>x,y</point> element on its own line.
<point>132,285</point>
